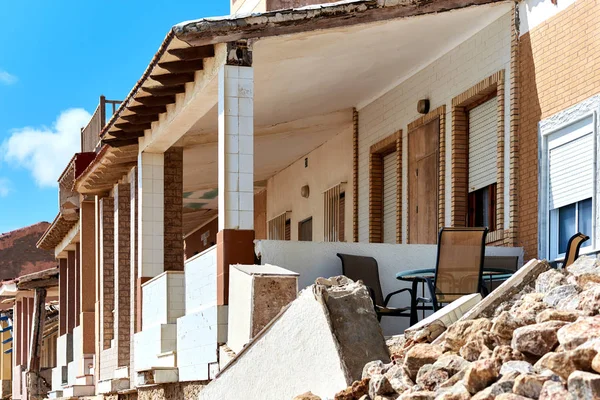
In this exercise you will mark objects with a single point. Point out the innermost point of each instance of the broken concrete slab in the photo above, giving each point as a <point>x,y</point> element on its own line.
<point>330,330</point>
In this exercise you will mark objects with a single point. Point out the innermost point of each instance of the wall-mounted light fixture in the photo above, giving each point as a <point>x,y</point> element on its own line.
<point>305,191</point>
<point>423,106</point>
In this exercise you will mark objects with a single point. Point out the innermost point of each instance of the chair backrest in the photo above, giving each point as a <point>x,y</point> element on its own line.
<point>459,267</point>
<point>573,247</point>
<point>364,269</point>
<point>504,262</point>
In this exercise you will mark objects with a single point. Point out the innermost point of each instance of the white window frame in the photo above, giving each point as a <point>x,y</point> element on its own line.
<point>556,123</point>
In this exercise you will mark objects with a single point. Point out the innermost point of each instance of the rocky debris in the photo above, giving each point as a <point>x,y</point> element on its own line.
<point>584,385</point>
<point>539,342</point>
<point>354,392</point>
<point>307,396</point>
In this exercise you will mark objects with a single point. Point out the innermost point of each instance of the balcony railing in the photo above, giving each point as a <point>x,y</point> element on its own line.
<point>90,135</point>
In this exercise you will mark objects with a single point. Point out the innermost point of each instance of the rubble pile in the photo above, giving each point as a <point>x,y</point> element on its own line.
<point>542,343</point>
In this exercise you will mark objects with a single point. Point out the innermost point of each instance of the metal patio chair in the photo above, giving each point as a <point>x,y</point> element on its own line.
<point>366,269</point>
<point>573,247</point>
<point>459,267</point>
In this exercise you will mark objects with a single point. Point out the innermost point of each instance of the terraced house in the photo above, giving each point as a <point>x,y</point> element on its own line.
<point>289,131</point>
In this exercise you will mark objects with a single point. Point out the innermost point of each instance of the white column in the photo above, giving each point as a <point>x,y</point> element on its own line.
<point>151,225</point>
<point>236,147</point>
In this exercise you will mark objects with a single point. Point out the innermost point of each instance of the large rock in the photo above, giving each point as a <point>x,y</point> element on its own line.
<point>307,396</point>
<point>559,293</point>
<point>380,385</point>
<point>552,390</point>
<point>420,355</point>
<point>504,325</point>
<point>456,392</point>
<point>589,300</point>
<point>579,332</point>
<point>431,376</point>
<point>323,340</point>
<point>375,368</point>
<point>511,396</point>
<point>585,269</point>
<point>505,353</point>
<point>398,378</point>
<point>557,315</point>
<point>461,332</point>
<point>478,343</point>
<point>565,363</point>
<point>528,385</point>
<point>522,367</point>
<point>584,385</point>
<point>524,312</point>
<point>495,390</point>
<point>480,374</point>
<point>548,280</point>
<point>537,339</point>
<point>420,395</point>
<point>357,390</point>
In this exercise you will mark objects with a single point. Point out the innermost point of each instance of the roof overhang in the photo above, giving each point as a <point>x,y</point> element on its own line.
<point>57,231</point>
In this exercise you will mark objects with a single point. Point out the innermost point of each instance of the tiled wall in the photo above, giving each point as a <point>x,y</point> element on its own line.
<point>236,147</point>
<point>201,281</point>
<point>480,56</point>
<point>163,299</point>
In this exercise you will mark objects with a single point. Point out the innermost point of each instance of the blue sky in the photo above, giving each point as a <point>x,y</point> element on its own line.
<point>56,59</point>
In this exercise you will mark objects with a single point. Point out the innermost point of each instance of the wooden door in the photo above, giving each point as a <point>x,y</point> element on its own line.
<point>305,230</point>
<point>423,167</point>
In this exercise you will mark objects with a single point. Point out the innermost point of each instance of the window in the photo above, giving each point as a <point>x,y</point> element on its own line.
<point>568,186</point>
<point>482,208</point>
<point>333,219</point>
<point>279,228</point>
<point>567,221</point>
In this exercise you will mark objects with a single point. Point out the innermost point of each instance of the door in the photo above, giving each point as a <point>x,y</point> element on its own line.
<point>423,167</point>
<point>305,230</point>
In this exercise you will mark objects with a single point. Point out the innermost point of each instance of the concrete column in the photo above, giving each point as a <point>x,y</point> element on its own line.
<point>62,296</point>
<point>107,260</point>
<point>17,331</point>
<point>122,254</point>
<point>77,284</point>
<point>71,290</point>
<point>236,147</point>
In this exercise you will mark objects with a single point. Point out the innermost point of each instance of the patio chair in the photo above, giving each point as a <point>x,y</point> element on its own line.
<point>459,267</point>
<point>366,269</point>
<point>573,247</point>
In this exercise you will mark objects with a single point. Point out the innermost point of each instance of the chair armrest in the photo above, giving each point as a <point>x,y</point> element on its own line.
<point>389,296</point>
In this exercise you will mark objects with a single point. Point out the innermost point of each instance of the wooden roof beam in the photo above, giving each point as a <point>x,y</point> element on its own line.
<point>173,79</point>
<point>119,142</point>
<point>132,127</point>
<point>176,67</point>
<point>146,110</point>
<point>194,53</point>
<point>126,135</point>
<point>164,90</point>
<point>156,100</point>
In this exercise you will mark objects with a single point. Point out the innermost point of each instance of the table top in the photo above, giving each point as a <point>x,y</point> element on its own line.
<point>426,273</point>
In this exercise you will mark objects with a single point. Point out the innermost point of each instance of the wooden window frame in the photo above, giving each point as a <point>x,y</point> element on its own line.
<point>492,86</point>
<point>333,213</point>
<point>378,151</point>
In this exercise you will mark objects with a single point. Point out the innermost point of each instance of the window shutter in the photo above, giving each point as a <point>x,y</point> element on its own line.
<point>571,171</point>
<point>277,227</point>
<point>390,184</point>
<point>483,125</point>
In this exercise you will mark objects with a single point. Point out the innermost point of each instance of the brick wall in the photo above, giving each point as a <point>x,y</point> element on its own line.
<point>173,200</point>
<point>122,212</point>
<point>559,67</point>
<point>133,192</point>
<point>107,261</point>
<point>478,57</point>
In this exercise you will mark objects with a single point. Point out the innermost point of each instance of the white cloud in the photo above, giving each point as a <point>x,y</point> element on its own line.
<point>44,151</point>
<point>4,187</point>
<point>6,78</point>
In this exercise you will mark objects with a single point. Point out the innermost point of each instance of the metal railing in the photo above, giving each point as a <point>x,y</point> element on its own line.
<point>90,135</point>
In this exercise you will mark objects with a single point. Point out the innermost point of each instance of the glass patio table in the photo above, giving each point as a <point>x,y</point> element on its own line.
<point>427,275</point>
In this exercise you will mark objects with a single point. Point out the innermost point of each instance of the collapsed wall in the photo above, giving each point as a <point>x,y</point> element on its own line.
<point>320,342</point>
<point>535,337</point>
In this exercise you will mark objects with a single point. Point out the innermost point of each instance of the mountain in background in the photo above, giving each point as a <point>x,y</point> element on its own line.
<point>20,256</point>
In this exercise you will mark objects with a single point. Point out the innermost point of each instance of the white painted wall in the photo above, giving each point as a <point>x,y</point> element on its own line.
<point>328,165</point>
<point>478,57</point>
<point>535,12</point>
<point>151,342</point>
<point>296,354</point>
<point>313,260</point>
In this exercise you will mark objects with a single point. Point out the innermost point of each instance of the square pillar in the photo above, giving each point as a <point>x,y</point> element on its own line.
<point>235,240</point>
<point>107,260</point>
<point>71,290</point>
<point>236,147</point>
<point>62,296</point>
<point>133,243</point>
<point>122,254</point>
<point>18,331</point>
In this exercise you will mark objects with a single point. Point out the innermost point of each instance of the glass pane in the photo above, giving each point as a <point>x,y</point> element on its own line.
<point>585,219</point>
<point>566,226</point>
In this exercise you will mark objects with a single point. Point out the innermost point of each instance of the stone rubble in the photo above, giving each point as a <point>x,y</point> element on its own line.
<point>542,343</point>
